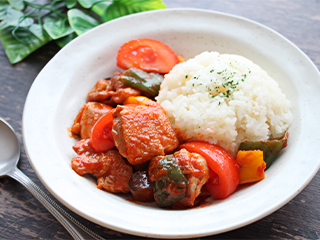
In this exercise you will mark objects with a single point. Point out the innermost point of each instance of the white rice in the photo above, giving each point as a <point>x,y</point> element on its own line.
<point>254,110</point>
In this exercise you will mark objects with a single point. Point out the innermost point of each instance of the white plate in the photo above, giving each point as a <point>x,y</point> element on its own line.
<point>61,87</point>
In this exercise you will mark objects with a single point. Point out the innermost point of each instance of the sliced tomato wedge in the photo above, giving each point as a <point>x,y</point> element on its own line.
<point>223,168</point>
<point>147,54</point>
<point>101,133</point>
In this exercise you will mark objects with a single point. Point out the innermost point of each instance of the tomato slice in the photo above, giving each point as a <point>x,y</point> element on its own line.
<point>223,168</point>
<point>101,133</point>
<point>147,54</point>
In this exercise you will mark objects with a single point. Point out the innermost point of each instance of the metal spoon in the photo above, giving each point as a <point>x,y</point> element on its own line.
<point>9,157</point>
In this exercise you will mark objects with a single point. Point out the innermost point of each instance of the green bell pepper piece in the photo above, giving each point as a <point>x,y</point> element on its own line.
<point>172,185</point>
<point>270,148</point>
<point>148,83</point>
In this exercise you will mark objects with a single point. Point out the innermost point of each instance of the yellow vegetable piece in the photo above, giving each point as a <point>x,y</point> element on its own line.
<point>181,58</point>
<point>136,100</point>
<point>251,166</point>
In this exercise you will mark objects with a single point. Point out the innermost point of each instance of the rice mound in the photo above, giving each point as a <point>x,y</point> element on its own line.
<point>224,99</point>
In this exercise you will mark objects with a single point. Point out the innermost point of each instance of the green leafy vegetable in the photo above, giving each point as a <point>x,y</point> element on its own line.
<point>88,3</point>
<point>26,25</point>
<point>4,5</point>
<point>15,49</point>
<point>57,27</point>
<point>121,8</point>
<point>100,8</point>
<point>80,21</point>
<point>17,4</point>
<point>65,40</point>
<point>16,18</point>
<point>39,32</point>
<point>70,3</point>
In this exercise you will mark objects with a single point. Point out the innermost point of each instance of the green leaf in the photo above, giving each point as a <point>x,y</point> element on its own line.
<point>22,34</point>
<point>57,27</point>
<point>100,8</point>
<point>70,3</point>
<point>15,50</point>
<point>65,40</point>
<point>39,32</point>
<point>4,5</point>
<point>88,3</point>
<point>81,22</point>
<point>16,18</point>
<point>121,8</point>
<point>17,4</point>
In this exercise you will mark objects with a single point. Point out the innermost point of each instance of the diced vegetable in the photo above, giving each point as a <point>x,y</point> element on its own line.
<point>148,83</point>
<point>140,187</point>
<point>170,184</point>
<point>147,54</point>
<point>270,148</point>
<point>181,58</point>
<point>224,170</point>
<point>251,166</point>
<point>136,100</point>
<point>101,133</point>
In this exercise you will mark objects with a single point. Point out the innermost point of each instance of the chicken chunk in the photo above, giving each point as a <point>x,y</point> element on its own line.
<point>117,177</point>
<point>83,147</point>
<point>88,115</point>
<point>142,132</point>
<point>111,91</point>
<point>110,169</point>
<point>95,164</point>
<point>196,170</point>
<point>178,178</point>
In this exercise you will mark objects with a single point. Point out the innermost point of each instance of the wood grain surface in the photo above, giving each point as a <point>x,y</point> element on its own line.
<point>23,217</point>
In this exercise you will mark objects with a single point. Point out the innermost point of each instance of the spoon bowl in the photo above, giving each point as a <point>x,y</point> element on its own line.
<point>9,158</point>
<point>9,148</point>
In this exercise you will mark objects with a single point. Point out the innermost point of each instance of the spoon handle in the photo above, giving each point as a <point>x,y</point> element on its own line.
<point>76,229</point>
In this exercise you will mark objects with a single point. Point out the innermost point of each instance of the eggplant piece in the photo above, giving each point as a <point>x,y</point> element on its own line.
<point>147,83</point>
<point>270,148</point>
<point>169,184</point>
<point>140,187</point>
